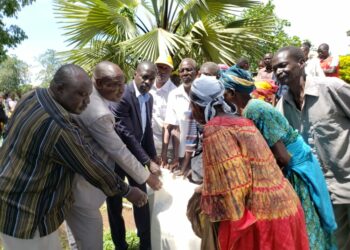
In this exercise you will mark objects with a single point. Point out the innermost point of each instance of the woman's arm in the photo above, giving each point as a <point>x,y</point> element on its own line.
<point>281,154</point>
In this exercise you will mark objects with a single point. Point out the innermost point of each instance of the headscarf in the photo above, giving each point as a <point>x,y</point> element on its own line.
<point>237,79</point>
<point>265,90</point>
<point>208,92</point>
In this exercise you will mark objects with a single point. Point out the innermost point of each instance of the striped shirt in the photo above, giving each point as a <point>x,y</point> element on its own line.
<point>41,152</point>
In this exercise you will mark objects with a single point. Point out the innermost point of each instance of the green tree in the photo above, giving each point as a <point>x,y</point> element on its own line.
<point>273,40</point>
<point>10,35</point>
<point>50,62</point>
<point>127,31</point>
<point>13,74</point>
<point>344,68</point>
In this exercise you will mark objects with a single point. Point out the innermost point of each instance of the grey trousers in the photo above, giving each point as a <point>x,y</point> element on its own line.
<point>85,219</point>
<point>342,215</point>
<point>48,242</point>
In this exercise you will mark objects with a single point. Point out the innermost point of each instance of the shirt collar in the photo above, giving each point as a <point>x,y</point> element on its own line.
<point>106,102</point>
<point>311,87</point>
<point>137,92</point>
<point>165,87</point>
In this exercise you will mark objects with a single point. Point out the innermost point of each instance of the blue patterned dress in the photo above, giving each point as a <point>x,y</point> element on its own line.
<point>303,171</point>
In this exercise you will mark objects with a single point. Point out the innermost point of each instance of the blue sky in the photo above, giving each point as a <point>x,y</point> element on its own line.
<point>317,20</point>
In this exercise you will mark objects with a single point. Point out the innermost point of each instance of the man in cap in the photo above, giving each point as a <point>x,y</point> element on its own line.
<point>160,92</point>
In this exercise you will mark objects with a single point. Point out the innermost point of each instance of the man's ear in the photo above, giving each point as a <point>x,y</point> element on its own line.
<point>301,63</point>
<point>98,84</point>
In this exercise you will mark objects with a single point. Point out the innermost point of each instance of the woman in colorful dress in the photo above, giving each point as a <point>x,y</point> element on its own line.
<point>246,203</point>
<point>293,155</point>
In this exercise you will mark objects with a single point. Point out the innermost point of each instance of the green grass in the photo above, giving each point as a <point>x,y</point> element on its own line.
<point>131,239</point>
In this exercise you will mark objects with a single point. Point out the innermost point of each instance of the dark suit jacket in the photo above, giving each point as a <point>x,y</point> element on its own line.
<point>129,125</point>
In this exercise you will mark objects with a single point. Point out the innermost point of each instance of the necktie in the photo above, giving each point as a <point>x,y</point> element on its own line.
<point>142,100</point>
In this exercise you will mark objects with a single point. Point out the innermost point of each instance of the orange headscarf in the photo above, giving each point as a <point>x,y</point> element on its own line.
<point>265,90</point>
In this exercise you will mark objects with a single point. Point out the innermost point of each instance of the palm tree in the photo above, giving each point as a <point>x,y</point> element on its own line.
<point>126,31</point>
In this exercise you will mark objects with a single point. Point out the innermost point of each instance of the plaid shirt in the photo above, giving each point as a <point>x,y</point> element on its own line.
<point>41,152</point>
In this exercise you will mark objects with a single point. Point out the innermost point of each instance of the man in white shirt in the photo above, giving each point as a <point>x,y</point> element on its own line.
<point>160,92</point>
<point>178,113</point>
<point>312,63</point>
<point>97,122</point>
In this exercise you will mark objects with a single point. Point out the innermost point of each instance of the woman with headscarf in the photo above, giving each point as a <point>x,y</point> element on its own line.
<point>246,203</point>
<point>265,90</point>
<point>293,155</point>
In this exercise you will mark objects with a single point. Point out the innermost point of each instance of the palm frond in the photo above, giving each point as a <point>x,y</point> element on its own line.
<point>88,20</point>
<point>96,52</point>
<point>148,46</point>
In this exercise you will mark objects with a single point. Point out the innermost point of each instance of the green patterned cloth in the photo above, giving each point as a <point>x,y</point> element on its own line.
<point>319,239</point>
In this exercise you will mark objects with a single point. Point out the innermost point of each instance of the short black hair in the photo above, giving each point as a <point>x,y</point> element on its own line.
<point>65,74</point>
<point>294,52</point>
<point>241,61</point>
<point>148,64</point>
<point>306,44</point>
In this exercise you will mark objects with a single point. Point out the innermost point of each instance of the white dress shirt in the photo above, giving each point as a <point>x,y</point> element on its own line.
<point>160,102</point>
<point>179,113</point>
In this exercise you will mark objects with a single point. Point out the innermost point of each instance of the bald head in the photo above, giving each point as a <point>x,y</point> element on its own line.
<point>209,69</point>
<point>106,69</point>
<point>109,80</point>
<point>71,88</point>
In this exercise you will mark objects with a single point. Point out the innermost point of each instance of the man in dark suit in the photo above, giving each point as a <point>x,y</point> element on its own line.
<point>133,124</point>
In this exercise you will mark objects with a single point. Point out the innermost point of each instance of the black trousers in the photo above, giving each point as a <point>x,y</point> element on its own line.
<point>141,216</point>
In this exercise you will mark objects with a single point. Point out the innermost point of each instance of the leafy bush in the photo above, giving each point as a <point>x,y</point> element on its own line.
<point>344,68</point>
<point>131,239</point>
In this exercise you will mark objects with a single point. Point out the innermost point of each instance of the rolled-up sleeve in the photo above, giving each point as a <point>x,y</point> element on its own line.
<point>102,130</point>
<point>76,154</point>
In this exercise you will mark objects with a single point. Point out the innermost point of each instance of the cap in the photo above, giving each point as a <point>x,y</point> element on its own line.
<point>167,60</point>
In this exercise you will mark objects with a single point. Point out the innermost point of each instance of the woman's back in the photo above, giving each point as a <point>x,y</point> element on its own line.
<point>242,182</point>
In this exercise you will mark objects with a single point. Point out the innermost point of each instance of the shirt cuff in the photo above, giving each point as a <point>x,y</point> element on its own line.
<point>127,191</point>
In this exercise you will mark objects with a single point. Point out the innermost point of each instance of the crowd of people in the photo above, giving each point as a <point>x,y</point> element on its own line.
<point>265,159</point>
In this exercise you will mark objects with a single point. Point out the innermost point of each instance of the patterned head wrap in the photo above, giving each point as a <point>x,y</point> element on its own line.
<point>237,79</point>
<point>265,90</point>
<point>208,92</point>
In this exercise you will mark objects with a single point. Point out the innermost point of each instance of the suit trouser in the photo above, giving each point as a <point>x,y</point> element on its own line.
<point>84,218</point>
<point>141,216</point>
<point>48,242</point>
<point>342,216</point>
